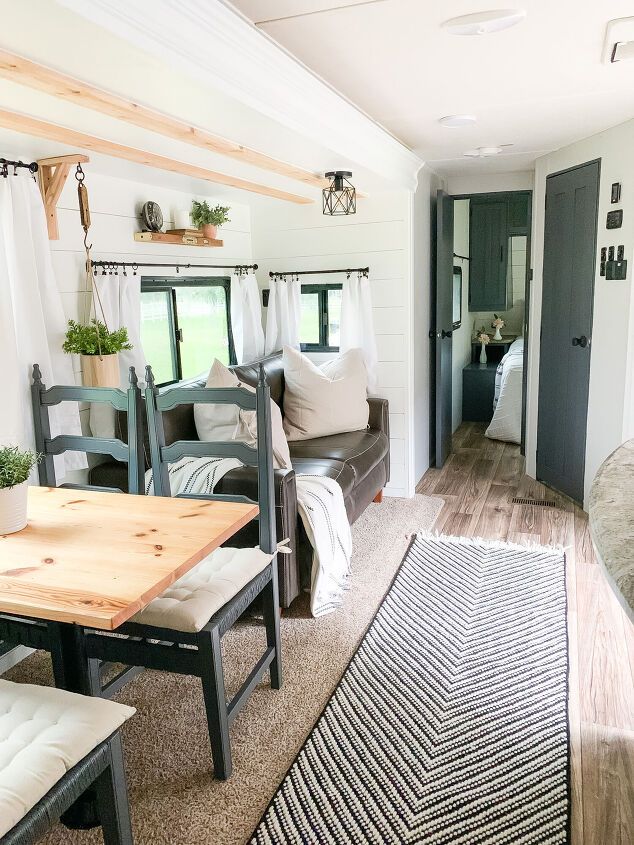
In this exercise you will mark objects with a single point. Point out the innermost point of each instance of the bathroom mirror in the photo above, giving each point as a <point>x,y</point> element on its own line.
<point>457,297</point>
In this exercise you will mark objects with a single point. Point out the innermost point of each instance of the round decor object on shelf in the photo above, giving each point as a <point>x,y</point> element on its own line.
<point>152,216</point>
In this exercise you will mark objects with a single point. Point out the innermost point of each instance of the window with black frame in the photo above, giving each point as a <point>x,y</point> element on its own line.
<point>185,324</point>
<point>320,318</point>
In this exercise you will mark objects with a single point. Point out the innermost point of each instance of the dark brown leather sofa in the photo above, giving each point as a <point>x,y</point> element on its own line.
<point>358,460</point>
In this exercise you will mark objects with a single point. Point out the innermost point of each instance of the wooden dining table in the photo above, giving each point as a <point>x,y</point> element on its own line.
<point>91,559</point>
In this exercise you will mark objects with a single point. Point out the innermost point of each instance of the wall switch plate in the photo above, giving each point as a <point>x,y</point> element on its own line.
<point>616,270</point>
<point>616,192</point>
<point>614,219</point>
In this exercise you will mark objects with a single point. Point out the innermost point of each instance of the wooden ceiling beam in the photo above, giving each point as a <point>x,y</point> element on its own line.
<point>42,78</point>
<point>52,132</point>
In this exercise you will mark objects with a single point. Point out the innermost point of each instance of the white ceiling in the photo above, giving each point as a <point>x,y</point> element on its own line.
<point>59,38</point>
<point>538,86</point>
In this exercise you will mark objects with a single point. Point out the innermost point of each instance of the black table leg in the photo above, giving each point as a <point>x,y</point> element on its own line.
<point>75,673</point>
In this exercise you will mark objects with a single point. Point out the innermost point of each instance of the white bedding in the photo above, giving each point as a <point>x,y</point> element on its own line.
<point>507,404</point>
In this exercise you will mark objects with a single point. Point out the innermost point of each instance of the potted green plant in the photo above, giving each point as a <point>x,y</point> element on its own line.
<point>99,350</point>
<point>15,468</point>
<point>208,219</point>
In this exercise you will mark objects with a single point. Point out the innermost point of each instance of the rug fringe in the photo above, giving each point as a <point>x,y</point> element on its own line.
<point>557,548</point>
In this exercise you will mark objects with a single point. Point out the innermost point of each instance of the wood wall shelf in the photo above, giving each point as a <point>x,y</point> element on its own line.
<point>169,238</point>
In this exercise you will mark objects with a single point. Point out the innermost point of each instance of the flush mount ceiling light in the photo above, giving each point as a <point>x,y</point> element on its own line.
<point>340,197</point>
<point>485,152</point>
<point>618,44</point>
<point>483,23</point>
<point>454,121</point>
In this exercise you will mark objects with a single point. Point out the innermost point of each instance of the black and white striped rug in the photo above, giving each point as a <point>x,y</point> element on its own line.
<point>450,724</point>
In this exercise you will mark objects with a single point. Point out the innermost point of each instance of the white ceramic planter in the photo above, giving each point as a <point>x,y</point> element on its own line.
<point>13,508</point>
<point>182,219</point>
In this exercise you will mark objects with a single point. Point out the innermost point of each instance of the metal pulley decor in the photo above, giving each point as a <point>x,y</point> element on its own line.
<point>340,197</point>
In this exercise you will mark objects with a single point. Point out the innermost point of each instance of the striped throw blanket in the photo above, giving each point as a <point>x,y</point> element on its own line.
<point>322,510</point>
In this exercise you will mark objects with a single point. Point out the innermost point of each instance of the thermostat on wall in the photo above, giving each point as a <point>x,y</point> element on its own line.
<point>614,219</point>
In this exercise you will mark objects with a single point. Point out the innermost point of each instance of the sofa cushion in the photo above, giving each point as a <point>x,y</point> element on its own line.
<point>44,732</point>
<point>341,472</point>
<point>361,451</point>
<point>189,603</point>
<point>273,370</point>
<point>324,400</point>
<point>218,422</point>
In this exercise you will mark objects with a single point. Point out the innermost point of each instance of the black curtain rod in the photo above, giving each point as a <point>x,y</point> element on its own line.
<point>112,265</point>
<point>364,270</point>
<point>6,163</point>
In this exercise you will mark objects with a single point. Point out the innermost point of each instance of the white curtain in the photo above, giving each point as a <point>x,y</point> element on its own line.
<point>246,318</point>
<point>357,324</point>
<point>283,314</point>
<point>120,298</point>
<point>32,322</point>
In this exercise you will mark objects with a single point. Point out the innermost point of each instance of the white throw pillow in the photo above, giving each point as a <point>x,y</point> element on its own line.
<point>215,423</point>
<point>324,400</point>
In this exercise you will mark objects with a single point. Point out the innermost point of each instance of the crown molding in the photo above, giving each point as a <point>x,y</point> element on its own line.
<point>220,47</point>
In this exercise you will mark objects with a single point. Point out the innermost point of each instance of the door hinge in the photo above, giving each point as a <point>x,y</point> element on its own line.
<point>179,335</point>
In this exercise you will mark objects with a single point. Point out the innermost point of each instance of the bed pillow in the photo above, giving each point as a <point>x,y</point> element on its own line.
<point>227,422</point>
<point>324,400</point>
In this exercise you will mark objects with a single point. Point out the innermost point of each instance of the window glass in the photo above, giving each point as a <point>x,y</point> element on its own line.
<point>334,318</point>
<point>202,320</point>
<point>320,317</point>
<point>185,326</point>
<point>156,334</point>
<point>310,318</point>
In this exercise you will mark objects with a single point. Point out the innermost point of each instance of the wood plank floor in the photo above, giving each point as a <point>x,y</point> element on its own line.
<point>478,483</point>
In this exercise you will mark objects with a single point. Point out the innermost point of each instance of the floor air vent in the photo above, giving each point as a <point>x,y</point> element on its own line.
<point>540,503</point>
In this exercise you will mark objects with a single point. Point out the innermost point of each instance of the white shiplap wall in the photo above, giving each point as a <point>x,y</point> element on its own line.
<point>302,238</point>
<point>115,205</point>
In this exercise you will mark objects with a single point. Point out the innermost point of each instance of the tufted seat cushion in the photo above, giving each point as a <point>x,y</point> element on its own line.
<point>189,603</point>
<point>44,732</point>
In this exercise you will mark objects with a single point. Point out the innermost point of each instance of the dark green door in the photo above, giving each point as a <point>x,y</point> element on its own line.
<point>570,236</point>
<point>488,249</point>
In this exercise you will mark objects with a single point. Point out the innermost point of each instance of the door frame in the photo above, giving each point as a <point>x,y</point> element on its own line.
<point>527,293</point>
<point>561,172</point>
<point>439,333</point>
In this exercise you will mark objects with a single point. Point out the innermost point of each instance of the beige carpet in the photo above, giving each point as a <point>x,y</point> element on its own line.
<point>174,801</point>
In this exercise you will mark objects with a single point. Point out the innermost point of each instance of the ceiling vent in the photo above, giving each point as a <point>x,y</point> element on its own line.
<point>619,41</point>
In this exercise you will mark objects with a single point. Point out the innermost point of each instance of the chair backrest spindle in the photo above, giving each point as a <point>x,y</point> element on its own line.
<point>121,400</point>
<point>261,456</point>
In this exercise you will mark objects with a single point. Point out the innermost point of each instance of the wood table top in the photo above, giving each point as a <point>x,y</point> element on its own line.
<point>96,559</point>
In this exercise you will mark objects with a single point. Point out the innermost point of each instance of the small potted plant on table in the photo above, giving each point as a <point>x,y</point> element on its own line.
<point>99,350</point>
<point>208,219</point>
<point>15,468</point>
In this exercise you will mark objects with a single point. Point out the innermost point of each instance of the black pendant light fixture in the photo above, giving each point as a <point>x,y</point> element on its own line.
<point>340,197</point>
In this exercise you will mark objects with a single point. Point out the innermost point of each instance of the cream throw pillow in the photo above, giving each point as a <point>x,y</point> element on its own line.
<point>228,422</point>
<point>329,399</point>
